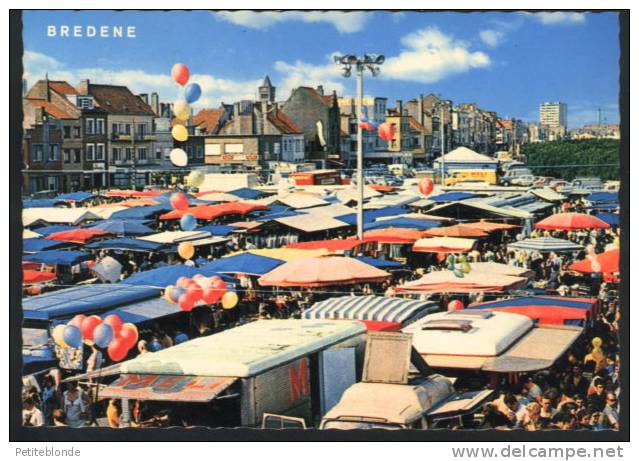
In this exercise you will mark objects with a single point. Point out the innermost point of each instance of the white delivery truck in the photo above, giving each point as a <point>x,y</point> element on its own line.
<point>297,368</point>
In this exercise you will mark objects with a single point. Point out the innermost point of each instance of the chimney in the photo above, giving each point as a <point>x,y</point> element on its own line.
<point>399,108</point>
<point>155,103</point>
<point>420,108</point>
<point>264,110</point>
<point>320,89</point>
<point>83,87</point>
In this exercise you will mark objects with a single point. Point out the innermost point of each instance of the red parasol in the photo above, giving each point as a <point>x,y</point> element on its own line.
<point>608,263</point>
<point>209,212</point>
<point>330,245</point>
<point>571,221</point>
<point>31,277</point>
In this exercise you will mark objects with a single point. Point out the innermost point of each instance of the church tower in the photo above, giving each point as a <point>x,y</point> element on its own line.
<point>267,91</point>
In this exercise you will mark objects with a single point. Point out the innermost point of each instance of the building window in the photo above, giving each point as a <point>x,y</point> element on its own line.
<point>234,148</point>
<point>76,131</point>
<point>100,126</point>
<point>90,126</point>
<point>129,154</point>
<point>127,128</point>
<point>141,153</point>
<point>67,155</point>
<point>115,128</point>
<point>116,154</point>
<point>199,152</point>
<point>67,132</point>
<point>90,152</point>
<point>99,152</point>
<point>189,152</point>
<point>36,155</point>
<point>77,155</point>
<point>141,129</point>
<point>276,148</point>
<point>158,154</point>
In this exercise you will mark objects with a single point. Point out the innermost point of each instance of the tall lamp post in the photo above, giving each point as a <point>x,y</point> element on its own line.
<point>372,63</point>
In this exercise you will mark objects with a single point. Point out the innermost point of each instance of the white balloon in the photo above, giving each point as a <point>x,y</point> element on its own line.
<point>179,158</point>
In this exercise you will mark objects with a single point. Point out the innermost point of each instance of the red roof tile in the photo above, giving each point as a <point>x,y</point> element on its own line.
<point>119,100</point>
<point>62,87</point>
<point>283,123</point>
<point>51,109</point>
<point>415,125</point>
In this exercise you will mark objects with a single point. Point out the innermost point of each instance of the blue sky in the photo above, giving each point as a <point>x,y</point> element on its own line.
<point>506,62</point>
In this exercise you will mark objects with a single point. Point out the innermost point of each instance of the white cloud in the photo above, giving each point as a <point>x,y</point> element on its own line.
<point>301,73</point>
<point>431,56</point>
<point>344,22</point>
<point>214,90</point>
<point>559,17</point>
<point>491,37</point>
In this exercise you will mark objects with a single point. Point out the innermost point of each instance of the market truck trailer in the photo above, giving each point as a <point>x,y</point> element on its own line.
<point>298,368</point>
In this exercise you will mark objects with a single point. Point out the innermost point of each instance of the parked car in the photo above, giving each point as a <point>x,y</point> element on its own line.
<point>557,184</point>
<point>507,178</point>
<point>525,180</point>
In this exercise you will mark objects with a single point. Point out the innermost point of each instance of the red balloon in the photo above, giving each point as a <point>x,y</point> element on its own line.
<point>455,305</point>
<point>426,186</point>
<point>201,280</point>
<point>115,322</point>
<point>183,282</point>
<point>88,326</point>
<point>180,74</point>
<point>90,264</point>
<point>179,201</point>
<point>77,321</point>
<point>117,349</point>
<point>129,335</point>
<point>386,131</point>
<point>194,291</point>
<point>210,295</point>
<point>186,303</point>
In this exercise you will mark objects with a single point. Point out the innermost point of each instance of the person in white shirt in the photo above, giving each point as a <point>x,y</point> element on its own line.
<point>74,408</point>
<point>31,415</point>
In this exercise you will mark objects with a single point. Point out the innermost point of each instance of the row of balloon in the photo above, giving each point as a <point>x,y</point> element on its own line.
<point>109,333</point>
<point>182,110</point>
<point>459,265</point>
<point>200,290</point>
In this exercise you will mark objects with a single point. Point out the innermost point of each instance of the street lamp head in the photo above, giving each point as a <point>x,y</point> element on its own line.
<point>380,59</point>
<point>347,72</point>
<point>351,59</point>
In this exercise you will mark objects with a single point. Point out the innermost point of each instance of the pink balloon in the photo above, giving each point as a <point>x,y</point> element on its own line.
<point>185,302</point>
<point>194,291</point>
<point>426,186</point>
<point>180,74</point>
<point>455,305</point>
<point>89,325</point>
<point>77,321</point>
<point>179,201</point>
<point>386,131</point>
<point>115,322</point>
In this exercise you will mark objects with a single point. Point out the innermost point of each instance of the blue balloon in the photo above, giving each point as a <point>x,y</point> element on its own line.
<point>72,336</point>
<point>155,346</point>
<point>192,92</point>
<point>188,222</point>
<point>181,338</point>
<point>176,293</point>
<point>102,335</point>
<point>459,273</point>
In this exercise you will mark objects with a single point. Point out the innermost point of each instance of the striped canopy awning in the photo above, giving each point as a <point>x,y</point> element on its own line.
<point>371,308</point>
<point>545,244</point>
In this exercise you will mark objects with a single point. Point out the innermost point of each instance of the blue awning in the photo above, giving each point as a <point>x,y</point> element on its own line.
<point>610,218</point>
<point>404,223</point>
<point>164,276</point>
<point>123,226</point>
<point>372,215</point>
<point>40,203</point>
<point>452,197</point>
<point>48,230</point>
<point>129,244</point>
<point>535,206</point>
<point>141,212</point>
<point>61,257</point>
<point>245,263</point>
<point>247,193</point>
<point>375,308</point>
<point>75,196</point>
<point>34,245</point>
<point>219,230</point>
<point>85,299</point>
<point>603,197</point>
<point>143,311</point>
<point>383,264</point>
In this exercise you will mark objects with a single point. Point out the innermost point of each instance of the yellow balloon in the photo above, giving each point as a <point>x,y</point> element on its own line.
<point>167,294</point>
<point>229,300</point>
<point>195,178</point>
<point>180,133</point>
<point>186,250</point>
<point>58,336</point>
<point>181,109</point>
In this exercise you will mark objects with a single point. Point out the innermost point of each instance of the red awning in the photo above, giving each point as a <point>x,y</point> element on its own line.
<point>210,212</point>
<point>330,245</point>
<point>455,231</point>
<point>571,221</point>
<point>31,277</point>
<point>393,235</point>
<point>444,245</point>
<point>382,188</point>
<point>324,271</point>
<point>77,235</point>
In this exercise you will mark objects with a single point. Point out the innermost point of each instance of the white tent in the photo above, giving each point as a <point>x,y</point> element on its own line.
<point>466,155</point>
<point>311,222</point>
<point>72,216</point>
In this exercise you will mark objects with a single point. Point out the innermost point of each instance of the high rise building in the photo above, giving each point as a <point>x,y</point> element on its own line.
<point>554,114</point>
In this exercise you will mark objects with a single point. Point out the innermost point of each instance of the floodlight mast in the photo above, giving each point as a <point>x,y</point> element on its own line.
<point>372,63</point>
